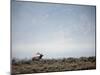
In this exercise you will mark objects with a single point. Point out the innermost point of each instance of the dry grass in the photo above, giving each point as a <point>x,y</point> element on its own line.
<point>53,65</point>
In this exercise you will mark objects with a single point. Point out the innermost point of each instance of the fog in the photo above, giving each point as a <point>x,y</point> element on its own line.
<point>55,30</point>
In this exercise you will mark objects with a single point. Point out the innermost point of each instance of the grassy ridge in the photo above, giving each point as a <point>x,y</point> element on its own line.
<point>53,65</point>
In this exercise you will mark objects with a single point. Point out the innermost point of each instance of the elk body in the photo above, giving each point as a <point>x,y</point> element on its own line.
<point>38,56</point>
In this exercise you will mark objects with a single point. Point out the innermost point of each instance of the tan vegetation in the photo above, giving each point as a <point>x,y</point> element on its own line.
<point>53,65</point>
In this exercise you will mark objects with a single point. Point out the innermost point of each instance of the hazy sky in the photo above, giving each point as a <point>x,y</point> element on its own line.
<point>56,30</point>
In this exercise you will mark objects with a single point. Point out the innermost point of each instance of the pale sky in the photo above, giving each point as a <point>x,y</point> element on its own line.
<point>56,30</point>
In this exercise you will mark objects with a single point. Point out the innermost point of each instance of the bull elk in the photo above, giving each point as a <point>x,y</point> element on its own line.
<point>38,56</point>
